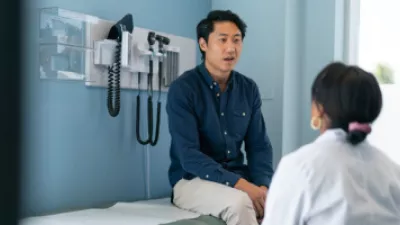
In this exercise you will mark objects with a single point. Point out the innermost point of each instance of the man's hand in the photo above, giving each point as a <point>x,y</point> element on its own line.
<point>264,188</point>
<point>256,194</point>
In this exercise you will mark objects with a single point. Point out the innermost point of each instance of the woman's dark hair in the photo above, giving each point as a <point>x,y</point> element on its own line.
<point>206,25</point>
<point>348,94</point>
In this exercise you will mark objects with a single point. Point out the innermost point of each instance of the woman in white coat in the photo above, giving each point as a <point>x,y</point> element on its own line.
<point>340,178</point>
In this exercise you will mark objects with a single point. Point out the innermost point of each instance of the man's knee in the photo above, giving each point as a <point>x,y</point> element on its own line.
<point>241,201</point>
<point>239,209</point>
<point>233,206</point>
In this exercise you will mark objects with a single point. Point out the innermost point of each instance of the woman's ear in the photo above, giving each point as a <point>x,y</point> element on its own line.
<point>320,110</point>
<point>316,109</point>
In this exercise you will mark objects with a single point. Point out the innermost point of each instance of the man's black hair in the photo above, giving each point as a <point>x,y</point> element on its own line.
<point>347,94</point>
<point>206,25</point>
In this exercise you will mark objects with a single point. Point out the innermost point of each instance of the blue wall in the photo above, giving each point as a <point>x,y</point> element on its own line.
<point>75,154</point>
<point>322,32</point>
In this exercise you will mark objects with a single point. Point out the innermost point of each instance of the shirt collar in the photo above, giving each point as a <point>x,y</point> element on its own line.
<point>212,83</point>
<point>332,134</point>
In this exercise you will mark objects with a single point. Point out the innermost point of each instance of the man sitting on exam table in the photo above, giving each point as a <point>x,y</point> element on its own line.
<point>340,178</point>
<point>212,110</point>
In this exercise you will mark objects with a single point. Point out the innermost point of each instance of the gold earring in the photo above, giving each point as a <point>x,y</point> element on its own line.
<point>319,123</point>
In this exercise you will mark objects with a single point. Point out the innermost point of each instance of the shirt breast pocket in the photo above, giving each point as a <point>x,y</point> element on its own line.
<point>241,120</point>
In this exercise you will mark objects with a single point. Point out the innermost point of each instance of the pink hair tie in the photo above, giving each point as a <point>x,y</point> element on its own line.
<point>364,127</point>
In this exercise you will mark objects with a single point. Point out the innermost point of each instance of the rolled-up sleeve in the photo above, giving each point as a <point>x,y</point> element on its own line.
<point>258,146</point>
<point>183,128</point>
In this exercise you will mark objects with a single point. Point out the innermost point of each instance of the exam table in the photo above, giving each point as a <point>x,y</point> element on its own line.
<point>149,212</point>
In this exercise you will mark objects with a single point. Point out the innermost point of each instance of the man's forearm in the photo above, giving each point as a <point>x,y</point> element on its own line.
<point>260,166</point>
<point>258,146</point>
<point>261,175</point>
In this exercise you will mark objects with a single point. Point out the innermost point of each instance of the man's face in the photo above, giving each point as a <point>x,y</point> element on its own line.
<point>224,46</point>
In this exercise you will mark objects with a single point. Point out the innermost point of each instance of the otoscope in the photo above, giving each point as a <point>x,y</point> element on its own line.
<point>151,39</point>
<point>162,40</point>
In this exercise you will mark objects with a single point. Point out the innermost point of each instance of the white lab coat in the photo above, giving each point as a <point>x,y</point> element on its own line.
<point>330,182</point>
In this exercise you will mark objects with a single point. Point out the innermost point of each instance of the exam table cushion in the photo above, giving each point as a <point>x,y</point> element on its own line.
<point>201,220</point>
<point>151,212</point>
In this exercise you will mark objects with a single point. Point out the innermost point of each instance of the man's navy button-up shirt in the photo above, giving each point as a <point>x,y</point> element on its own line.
<point>208,128</point>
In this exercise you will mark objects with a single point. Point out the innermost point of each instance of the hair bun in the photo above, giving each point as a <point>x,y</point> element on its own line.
<point>355,137</point>
<point>357,132</point>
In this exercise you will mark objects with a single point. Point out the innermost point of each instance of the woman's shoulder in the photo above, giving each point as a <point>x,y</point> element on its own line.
<point>299,159</point>
<point>314,157</point>
<point>332,158</point>
<point>304,153</point>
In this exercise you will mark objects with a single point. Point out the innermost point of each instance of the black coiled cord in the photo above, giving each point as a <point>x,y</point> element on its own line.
<point>153,143</point>
<point>149,115</point>
<point>149,108</point>
<point>114,70</point>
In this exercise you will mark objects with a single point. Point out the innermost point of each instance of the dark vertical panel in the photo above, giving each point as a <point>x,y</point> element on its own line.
<point>10,64</point>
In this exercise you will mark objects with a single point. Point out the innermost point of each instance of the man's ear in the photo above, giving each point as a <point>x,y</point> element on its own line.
<point>203,44</point>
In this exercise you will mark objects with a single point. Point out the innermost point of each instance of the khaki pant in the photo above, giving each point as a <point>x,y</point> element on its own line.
<point>209,198</point>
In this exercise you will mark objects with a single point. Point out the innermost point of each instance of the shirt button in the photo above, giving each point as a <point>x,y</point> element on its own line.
<point>229,152</point>
<point>215,83</point>
<point>225,132</point>
<point>211,86</point>
<point>222,114</point>
<point>227,183</point>
<point>207,176</point>
<point>244,114</point>
<point>217,94</point>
